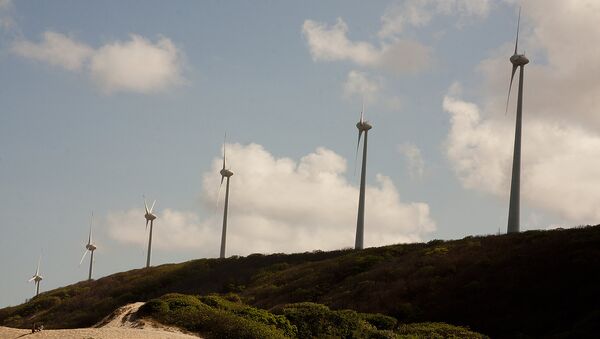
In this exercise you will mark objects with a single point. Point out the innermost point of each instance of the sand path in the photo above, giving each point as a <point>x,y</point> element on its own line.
<point>120,324</point>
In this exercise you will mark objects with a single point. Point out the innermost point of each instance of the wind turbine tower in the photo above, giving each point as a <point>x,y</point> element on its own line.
<point>37,278</point>
<point>225,173</point>
<point>149,219</point>
<point>518,61</point>
<point>91,248</point>
<point>363,126</point>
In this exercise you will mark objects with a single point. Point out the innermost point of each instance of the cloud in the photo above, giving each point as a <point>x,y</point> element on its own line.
<point>418,13</point>
<point>562,77</point>
<point>7,23</point>
<point>172,230</point>
<point>283,205</point>
<point>56,49</point>
<point>136,65</point>
<point>330,43</point>
<point>561,124</point>
<point>559,162</point>
<point>414,159</point>
<point>359,84</point>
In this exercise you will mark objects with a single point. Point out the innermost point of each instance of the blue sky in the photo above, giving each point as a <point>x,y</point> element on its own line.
<point>104,102</point>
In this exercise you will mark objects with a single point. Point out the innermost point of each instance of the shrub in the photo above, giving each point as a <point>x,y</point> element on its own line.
<point>380,321</point>
<point>215,317</point>
<point>437,330</point>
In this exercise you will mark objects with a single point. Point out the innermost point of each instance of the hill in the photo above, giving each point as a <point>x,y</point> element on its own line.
<point>530,284</point>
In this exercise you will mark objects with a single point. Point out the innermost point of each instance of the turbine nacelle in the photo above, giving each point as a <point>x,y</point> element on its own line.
<point>363,126</point>
<point>36,278</point>
<point>226,173</point>
<point>90,247</point>
<point>519,60</point>
<point>149,216</point>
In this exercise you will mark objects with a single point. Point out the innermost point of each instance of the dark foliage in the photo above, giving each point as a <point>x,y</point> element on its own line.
<point>216,317</point>
<point>226,317</point>
<point>530,284</point>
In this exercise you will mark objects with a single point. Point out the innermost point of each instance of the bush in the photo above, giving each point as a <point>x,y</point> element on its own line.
<point>437,330</point>
<point>216,317</point>
<point>318,321</point>
<point>380,321</point>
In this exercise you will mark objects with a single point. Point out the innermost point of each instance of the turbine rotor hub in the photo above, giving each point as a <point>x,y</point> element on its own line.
<point>226,173</point>
<point>149,216</point>
<point>90,247</point>
<point>519,60</point>
<point>363,126</point>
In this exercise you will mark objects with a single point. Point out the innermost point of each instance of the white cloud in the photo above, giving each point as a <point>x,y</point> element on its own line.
<point>559,162</point>
<point>330,43</point>
<point>135,65</point>
<point>561,124</point>
<point>414,160</point>
<point>56,49</point>
<point>172,229</point>
<point>283,205</point>
<point>419,13</point>
<point>359,84</point>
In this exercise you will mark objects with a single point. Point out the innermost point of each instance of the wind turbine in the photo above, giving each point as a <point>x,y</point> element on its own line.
<point>149,219</point>
<point>89,247</point>
<point>363,126</point>
<point>37,278</point>
<point>225,173</point>
<point>518,61</point>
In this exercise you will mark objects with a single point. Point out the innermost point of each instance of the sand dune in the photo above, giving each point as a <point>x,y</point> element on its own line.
<point>120,324</point>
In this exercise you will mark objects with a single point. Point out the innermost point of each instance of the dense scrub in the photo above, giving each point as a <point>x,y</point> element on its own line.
<point>536,283</point>
<point>227,317</point>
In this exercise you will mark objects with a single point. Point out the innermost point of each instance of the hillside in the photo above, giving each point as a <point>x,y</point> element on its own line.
<point>536,283</point>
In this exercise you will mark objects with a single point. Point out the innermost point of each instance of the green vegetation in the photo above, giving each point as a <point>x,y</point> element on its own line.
<point>227,317</point>
<point>216,317</point>
<point>535,283</point>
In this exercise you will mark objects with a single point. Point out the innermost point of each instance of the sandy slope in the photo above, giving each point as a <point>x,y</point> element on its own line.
<point>120,324</point>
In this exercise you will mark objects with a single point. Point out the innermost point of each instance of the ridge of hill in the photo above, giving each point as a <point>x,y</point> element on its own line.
<point>529,284</point>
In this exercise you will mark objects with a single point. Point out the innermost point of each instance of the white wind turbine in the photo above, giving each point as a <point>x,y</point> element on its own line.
<point>363,126</point>
<point>518,61</point>
<point>225,173</point>
<point>89,247</point>
<point>37,277</point>
<point>149,219</point>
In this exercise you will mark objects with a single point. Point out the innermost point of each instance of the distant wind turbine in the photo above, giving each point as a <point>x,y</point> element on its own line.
<point>37,277</point>
<point>91,248</point>
<point>225,173</point>
<point>517,60</point>
<point>363,126</point>
<point>149,219</point>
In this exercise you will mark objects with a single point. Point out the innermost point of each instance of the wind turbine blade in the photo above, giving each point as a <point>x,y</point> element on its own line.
<point>224,149</point>
<point>518,24</point>
<point>357,147</point>
<point>147,224</point>
<point>146,206</point>
<point>83,257</point>
<point>37,270</point>
<point>91,223</point>
<point>152,208</point>
<point>362,112</point>
<point>514,69</point>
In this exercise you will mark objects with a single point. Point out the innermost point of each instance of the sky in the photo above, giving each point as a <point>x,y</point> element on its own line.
<point>102,103</point>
